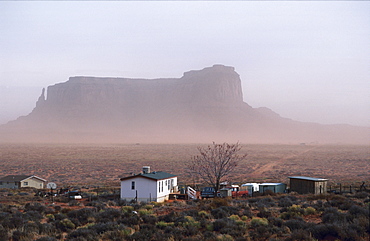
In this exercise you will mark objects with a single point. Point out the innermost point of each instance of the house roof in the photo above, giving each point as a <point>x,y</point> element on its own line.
<point>309,178</point>
<point>271,184</point>
<point>152,175</point>
<point>19,178</point>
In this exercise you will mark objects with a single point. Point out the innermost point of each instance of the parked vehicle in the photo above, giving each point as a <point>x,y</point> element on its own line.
<point>208,192</point>
<point>74,195</point>
<point>236,192</point>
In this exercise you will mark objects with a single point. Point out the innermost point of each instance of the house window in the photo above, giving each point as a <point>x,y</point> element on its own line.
<point>159,185</point>
<point>25,183</point>
<point>162,186</point>
<point>132,185</point>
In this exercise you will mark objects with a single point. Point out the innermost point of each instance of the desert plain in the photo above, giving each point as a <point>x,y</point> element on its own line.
<point>105,164</point>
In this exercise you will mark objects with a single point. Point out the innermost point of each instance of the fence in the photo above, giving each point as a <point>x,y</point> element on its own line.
<point>352,188</point>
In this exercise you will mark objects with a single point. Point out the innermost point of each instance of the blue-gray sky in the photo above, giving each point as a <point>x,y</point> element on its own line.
<point>308,61</point>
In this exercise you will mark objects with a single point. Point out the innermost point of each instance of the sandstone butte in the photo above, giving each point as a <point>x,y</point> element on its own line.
<point>200,107</point>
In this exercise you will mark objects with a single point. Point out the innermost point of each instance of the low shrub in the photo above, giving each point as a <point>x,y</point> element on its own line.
<point>224,237</point>
<point>361,195</point>
<point>302,235</point>
<point>127,209</point>
<point>13,221</point>
<point>256,222</point>
<point>130,220</point>
<point>117,235</point>
<point>31,228</point>
<point>65,225</point>
<point>296,224</point>
<point>235,217</point>
<point>322,231</point>
<point>285,201</point>
<point>244,218</point>
<point>82,215</point>
<point>3,234</point>
<point>219,202</point>
<point>332,215</point>
<point>265,202</point>
<point>264,213</point>
<point>149,219</point>
<point>274,221</point>
<point>163,224</point>
<point>47,239</point>
<point>309,211</point>
<point>358,211</point>
<point>83,234</point>
<point>50,217</point>
<point>224,212</point>
<point>38,207</point>
<point>19,235</point>
<point>33,216</point>
<point>148,207</point>
<point>47,229</point>
<point>144,212</point>
<point>107,215</point>
<point>204,214</point>
<point>170,217</point>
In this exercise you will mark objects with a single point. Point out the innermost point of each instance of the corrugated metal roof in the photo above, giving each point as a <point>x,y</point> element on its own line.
<point>152,175</point>
<point>315,179</point>
<point>18,178</point>
<point>14,178</point>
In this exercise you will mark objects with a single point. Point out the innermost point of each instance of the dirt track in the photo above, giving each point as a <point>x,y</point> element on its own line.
<point>260,170</point>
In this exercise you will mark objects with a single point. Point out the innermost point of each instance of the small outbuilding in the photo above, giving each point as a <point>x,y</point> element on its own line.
<point>306,185</point>
<point>273,187</point>
<point>148,186</point>
<point>18,181</point>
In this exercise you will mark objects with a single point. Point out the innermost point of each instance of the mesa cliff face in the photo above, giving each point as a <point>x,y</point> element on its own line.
<point>201,106</point>
<point>214,85</point>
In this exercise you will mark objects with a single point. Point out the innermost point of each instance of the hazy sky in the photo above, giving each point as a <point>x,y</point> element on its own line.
<point>308,61</point>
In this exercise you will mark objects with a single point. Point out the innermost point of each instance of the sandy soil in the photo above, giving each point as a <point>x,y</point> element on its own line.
<point>71,164</point>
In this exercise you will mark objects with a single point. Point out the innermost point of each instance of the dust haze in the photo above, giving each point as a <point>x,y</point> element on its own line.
<point>200,107</point>
<point>113,72</point>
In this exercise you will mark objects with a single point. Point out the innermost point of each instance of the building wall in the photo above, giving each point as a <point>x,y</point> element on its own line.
<point>165,187</point>
<point>32,182</point>
<point>12,185</point>
<point>320,187</point>
<point>147,189</point>
<point>278,188</point>
<point>307,186</point>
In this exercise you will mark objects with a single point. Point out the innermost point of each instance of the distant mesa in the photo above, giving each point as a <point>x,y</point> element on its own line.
<point>202,106</point>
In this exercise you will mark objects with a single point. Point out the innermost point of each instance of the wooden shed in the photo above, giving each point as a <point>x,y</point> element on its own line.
<point>305,185</point>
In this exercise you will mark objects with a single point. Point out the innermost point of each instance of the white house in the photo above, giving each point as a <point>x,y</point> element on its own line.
<point>18,181</point>
<point>148,186</point>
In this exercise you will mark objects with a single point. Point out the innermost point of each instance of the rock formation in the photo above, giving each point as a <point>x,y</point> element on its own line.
<point>202,106</point>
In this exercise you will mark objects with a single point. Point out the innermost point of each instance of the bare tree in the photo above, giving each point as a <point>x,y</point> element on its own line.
<point>216,162</point>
